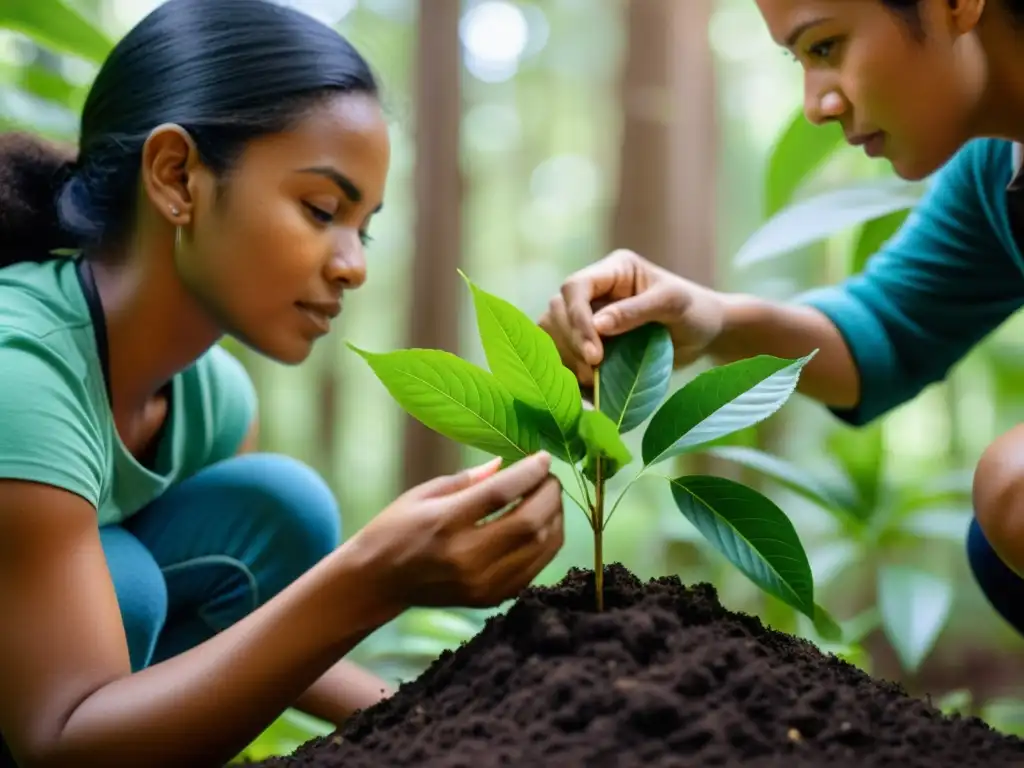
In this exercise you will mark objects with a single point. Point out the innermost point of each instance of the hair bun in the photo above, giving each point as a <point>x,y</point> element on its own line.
<point>32,172</point>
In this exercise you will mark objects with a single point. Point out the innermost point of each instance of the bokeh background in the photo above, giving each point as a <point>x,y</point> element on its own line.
<point>531,138</point>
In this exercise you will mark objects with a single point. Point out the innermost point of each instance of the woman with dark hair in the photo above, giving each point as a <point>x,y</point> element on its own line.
<point>166,592</point>
<point>931,86</point>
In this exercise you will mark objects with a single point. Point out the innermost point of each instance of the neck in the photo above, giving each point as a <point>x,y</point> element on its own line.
<point>155,328</point>
<point>1001,107</point>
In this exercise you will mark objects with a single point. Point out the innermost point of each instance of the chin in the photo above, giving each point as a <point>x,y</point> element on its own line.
<point>921,165</point>
<point>912,171</point>
<point>292,350</point>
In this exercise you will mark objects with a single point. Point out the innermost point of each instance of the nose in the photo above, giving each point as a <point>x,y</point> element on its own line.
<point>346,266</point>
<point>822,101</point>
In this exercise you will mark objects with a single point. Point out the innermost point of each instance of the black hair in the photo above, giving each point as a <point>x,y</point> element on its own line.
<point>226,71</point>
<point>909,9</point>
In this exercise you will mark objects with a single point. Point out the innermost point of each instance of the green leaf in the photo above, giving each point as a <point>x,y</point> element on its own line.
<point>825,215</point>
<point>56,25</point>
<point>915,606</point>
<point>873,235</point>
<point>801,149</point>
<point>950,524</point>
<point>830,496</point>
<point>525,360</point>
<point>602,439</point>
<point>860,453</point>
<point>826,626</point>
<point>720,401</point>
<point>752,533</point>
<point>552,440</point>
<point>43,83</point>
<point>456,399</point>
<point>635,374</point>
<point>438,624</point>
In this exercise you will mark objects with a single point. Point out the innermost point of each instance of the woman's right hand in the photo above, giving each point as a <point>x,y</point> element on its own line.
<point>624,291</point>
<point>430,548</point>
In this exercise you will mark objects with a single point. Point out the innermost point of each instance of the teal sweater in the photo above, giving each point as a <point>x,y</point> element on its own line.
<point>950,276</point>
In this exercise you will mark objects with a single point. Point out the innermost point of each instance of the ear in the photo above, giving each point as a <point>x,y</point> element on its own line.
<point>965,15</point>
<point>170,171</point>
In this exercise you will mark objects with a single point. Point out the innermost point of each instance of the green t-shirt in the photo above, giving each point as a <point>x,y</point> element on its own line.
<point>55,420</point>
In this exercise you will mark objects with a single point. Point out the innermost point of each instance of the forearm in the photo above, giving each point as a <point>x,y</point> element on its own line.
<point>205,705</point>
<point>755,326</point>
<point>341,691</point>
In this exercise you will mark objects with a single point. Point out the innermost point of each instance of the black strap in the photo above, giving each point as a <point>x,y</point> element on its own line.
<point>99,323</point>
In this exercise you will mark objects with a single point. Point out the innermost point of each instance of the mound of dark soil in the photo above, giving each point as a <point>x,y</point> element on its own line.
<point>665,676</point>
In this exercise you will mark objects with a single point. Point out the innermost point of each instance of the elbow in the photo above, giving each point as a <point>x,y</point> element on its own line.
<point>49,744</point>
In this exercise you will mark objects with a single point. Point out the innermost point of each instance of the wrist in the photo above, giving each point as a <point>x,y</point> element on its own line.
<point>739,313</point>
<point>363,585</point>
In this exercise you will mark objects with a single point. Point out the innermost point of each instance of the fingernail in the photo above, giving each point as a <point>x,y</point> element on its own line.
<point>590,352</point>
<point>485,469</point>
<point>602,323</point>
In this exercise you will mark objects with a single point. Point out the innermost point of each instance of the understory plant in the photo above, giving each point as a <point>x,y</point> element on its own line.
<point>529,401</point>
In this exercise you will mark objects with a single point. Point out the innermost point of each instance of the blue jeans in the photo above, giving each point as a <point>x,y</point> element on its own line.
<point>215,547</point>
<point>1001,585</point>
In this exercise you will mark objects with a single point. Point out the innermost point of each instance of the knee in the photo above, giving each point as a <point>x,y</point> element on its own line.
<point>141,594</point>
<point>293,503</point>
<point>998,496</point>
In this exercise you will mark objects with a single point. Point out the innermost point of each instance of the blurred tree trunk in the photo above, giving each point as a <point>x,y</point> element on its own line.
<point>434,317</point>
<point>667,205</point>
<point>666,208</point>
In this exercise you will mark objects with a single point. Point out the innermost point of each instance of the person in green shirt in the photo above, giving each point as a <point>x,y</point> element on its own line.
<point>166,589</point>
<point>933,87</point>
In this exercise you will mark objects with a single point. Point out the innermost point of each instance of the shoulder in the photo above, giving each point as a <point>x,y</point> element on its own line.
<point>982,166</point>
<point>51,413</point>
<point>219,390</point>
<point>44,299</point>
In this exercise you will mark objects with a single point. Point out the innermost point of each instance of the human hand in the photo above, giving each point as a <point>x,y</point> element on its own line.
<point>430,548</point>
<point>628,291</point>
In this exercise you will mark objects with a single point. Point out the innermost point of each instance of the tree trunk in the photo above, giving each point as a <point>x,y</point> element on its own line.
<point>666,208</point>
<point>434,319</point>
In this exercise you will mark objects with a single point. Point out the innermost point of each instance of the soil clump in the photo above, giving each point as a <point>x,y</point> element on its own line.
<point>665,677</point>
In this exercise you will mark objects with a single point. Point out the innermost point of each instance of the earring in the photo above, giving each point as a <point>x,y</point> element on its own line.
<point>177,239</point>
<point>174,210</point>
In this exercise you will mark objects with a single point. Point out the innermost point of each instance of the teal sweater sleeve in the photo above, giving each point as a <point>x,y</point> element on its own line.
<point>949,277</point>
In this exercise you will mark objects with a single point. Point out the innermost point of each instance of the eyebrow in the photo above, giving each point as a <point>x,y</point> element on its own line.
<point>345,184</point>
<point>800,29</point>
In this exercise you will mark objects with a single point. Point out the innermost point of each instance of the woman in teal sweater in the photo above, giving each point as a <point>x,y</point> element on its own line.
<point>165,591</point>
<point>929,85</point>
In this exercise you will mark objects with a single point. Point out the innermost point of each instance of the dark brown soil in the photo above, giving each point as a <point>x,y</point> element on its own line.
<point>664,677</point>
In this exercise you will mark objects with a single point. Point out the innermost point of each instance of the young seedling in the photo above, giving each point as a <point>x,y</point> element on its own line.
<point>529,400</point>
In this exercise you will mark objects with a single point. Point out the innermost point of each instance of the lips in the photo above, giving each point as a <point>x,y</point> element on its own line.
<point>873,143</point>
<point>320,314</point>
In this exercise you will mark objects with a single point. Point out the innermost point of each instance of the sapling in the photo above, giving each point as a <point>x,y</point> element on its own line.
<point>529,401</point>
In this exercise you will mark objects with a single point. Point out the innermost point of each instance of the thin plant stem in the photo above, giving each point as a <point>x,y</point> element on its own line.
<point>579,477</point>
<point>583,509</point>
<point>623,493</point>
<point>598,508</point>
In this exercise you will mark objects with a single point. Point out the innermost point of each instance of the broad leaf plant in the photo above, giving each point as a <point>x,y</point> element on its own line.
<point>529,401</point>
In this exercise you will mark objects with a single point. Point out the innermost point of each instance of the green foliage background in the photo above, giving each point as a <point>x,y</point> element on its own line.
<point>882,510</point>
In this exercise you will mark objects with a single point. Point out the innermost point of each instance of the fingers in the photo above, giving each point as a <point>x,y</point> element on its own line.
<point>447,484</point>
<point>612,276</point>
<point>526,548</point>
<point>664,302</point>
<point>527,525</point>
<point>556,323</point>
<point>477,501</point>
